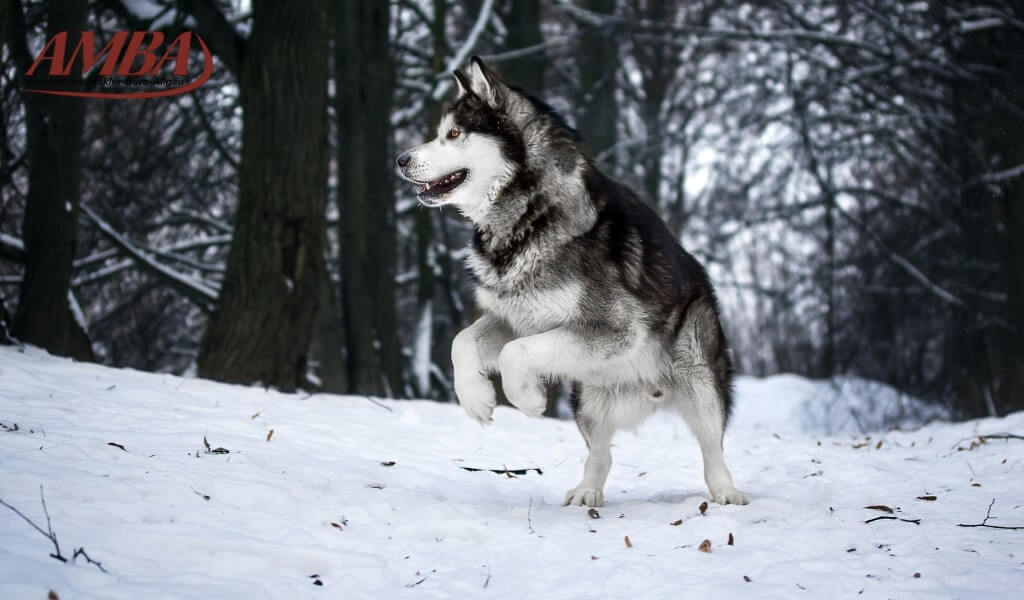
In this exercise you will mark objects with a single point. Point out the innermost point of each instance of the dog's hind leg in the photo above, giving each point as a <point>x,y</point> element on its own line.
<point>597,432</point>
<point>702,406</point>
<point>703,372</point>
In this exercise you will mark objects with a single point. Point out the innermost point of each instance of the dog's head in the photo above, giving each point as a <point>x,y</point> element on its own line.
<point>478,150</point>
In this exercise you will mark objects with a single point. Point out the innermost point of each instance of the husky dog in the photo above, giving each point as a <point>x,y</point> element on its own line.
<point>577,280</point>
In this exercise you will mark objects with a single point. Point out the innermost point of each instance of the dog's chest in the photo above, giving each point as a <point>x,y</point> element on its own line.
<point>530,311</point>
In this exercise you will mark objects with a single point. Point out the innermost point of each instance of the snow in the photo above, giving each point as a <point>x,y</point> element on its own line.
<point>424,527</point>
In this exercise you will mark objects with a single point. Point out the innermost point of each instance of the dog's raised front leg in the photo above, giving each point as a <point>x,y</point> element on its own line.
<point>475,352</point>
<point>558,353</point>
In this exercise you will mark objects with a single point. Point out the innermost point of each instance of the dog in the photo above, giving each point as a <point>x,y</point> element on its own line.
<point>577,280</point>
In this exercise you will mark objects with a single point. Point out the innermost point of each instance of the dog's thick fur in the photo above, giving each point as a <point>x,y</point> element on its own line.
<point>577,279</point>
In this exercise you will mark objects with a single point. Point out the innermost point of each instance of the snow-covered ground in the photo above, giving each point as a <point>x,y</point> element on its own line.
<point>371,500</point>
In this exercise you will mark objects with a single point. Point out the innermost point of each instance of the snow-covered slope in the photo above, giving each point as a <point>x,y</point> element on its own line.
<point>319,500</point>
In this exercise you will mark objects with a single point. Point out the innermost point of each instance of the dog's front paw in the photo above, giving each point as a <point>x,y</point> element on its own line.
<point>476,396</point>
<point>729,495</point>
<point>522,388</point>
<point>584,496</point>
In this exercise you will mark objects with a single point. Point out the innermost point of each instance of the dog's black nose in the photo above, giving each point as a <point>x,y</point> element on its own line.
<point>403,159</point>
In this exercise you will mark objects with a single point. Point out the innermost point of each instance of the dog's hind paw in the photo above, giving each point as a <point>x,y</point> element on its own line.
<point>584,496</point>
<point>729,496</point>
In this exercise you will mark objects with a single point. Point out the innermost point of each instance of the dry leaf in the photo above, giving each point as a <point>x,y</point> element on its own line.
<point>333,524</point>
<point>731,540</point>
<point>270,434</point>
<point>880,507</point>
<point>747,579</point>
<point>592,557</point>
<point>861,445</point>
<point>52,596</point>
<point>593,513</point>
<point>255,415</point>
<point>676,523</point>
<point>703,507</point>
<point>879,445</point>
<point>629,544</point>
<point>928,498</point>
<point>388,463</point>
<point>975,484</point>
<point>917,575</point>
<point>705,546</point>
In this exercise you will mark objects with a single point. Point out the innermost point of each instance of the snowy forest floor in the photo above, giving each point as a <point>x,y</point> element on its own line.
<point>321,496</point>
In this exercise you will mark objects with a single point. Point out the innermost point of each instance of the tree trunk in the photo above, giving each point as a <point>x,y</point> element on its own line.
<point>366,197</point>
<point>261,328</point>
<point>522,19</point>
<point>54,127</point>
<point>598,65</point>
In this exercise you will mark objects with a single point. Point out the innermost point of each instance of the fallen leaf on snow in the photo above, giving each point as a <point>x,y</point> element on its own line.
<point>629,544</point>
<point>703,508</point>
<point>880,507</point>
<point>731,540</point>
<point>676,523</point>
<point>593,514</point>
<point>387,463</point>
<point>705,546</point>
<point>270,434</point>
<point>928,498</point>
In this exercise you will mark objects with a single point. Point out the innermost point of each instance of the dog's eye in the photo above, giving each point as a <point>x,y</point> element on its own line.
<point>453,133</point>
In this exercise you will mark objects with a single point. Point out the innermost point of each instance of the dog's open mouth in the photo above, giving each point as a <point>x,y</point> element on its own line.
<point>442,185</point>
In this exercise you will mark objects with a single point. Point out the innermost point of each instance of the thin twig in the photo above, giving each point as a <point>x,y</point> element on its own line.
<point>977,440</point>
<point>376,402</point>
<point>887,517</point>
<point>529,515</point>
<point>50,535</point>
<point>984,522</point>
<point>88,559</point>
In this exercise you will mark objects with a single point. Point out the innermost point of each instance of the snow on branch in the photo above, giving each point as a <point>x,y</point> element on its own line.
<point>11,248</point>
<point>201,293</point>
<point>597,19</point>
<point>997,177</point>
<point>462,54</point>
<point>902,262</point>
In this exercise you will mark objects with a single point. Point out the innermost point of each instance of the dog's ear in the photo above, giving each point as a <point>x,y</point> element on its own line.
<point>485,83</point>
<point>462,83</point>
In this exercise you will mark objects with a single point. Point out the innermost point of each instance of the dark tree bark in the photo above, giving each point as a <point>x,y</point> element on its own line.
<point>54,139</point>
<point>598,64</point>
<point>522,19</point>
<point>991,123</point>
<point>261,328</point>
<point>366,197</point>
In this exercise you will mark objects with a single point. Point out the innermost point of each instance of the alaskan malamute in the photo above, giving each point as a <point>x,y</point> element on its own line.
<point>577,279</point>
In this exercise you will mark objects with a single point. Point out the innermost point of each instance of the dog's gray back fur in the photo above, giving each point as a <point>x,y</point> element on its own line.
<point>580,279</point>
